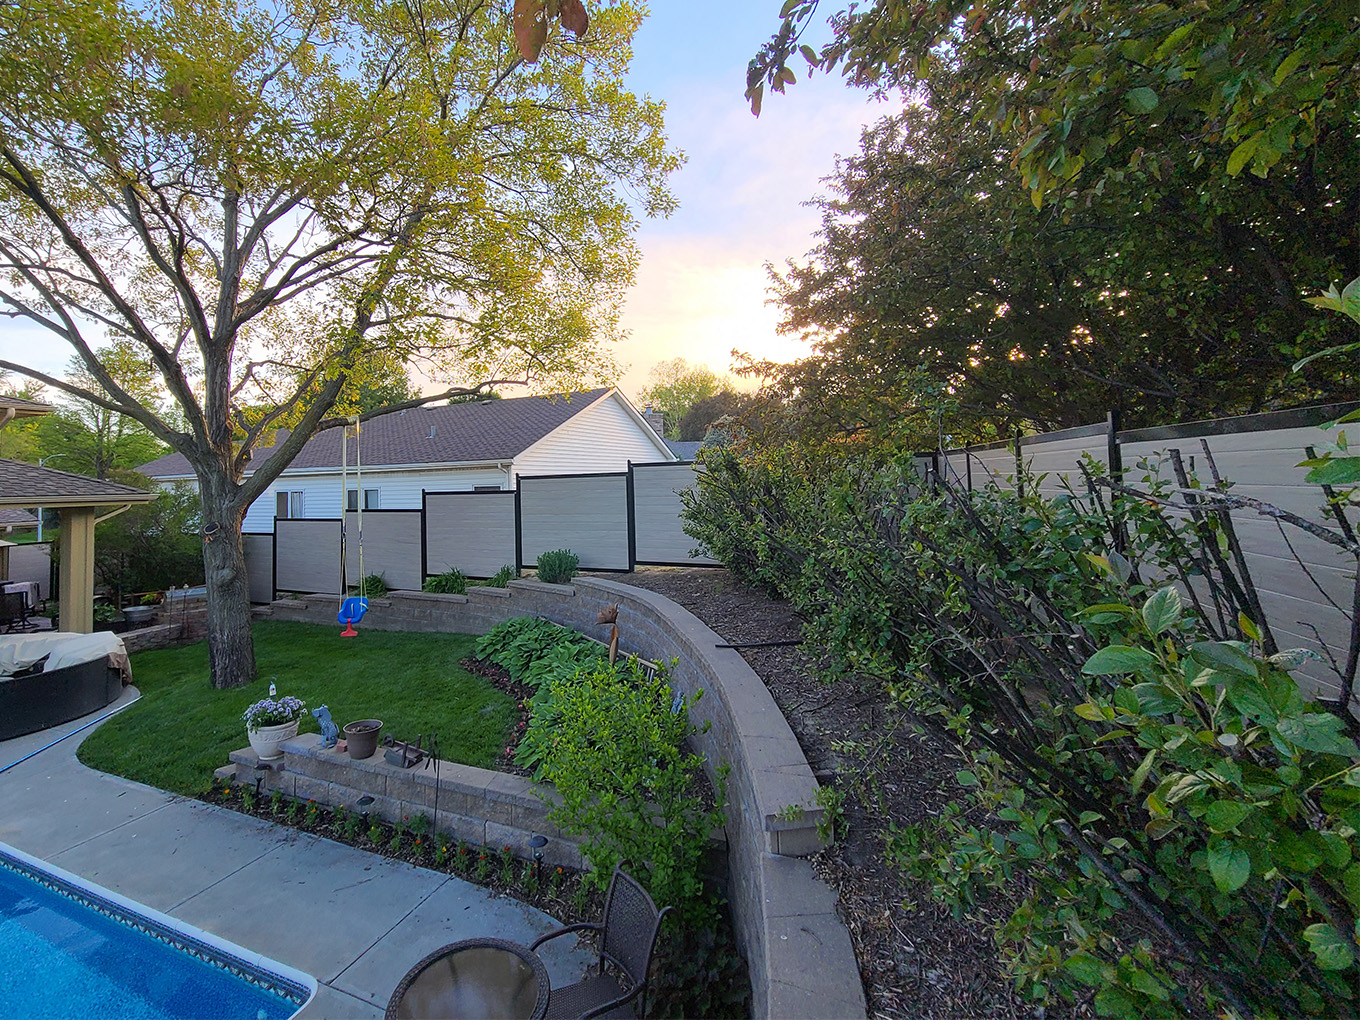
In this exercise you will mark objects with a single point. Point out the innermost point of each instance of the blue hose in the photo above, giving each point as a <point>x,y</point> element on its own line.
<point>92,722</point>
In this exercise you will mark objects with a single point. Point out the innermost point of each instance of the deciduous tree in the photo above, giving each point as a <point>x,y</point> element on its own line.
<point>250,193</point>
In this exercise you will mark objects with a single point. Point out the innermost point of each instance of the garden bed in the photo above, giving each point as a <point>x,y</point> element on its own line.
<point>915,959</point>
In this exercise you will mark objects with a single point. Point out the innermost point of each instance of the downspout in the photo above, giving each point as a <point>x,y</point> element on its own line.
<point>113,513</point>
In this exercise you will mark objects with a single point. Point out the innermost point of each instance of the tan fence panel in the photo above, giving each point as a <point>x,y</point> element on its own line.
<point>307,554</point>
<point>659,530</point>
<point>32,562</point>
<point>259,566</point>
<point>473,532</point>
<point>587,514</point>
<point>995,466</point>
<point>391,547</point>
<point>1060,460</point>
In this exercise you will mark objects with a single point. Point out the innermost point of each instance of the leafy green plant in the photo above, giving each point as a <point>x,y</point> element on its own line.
<point>628,785</point>
<point>375,586</point>
<point>501,578</point>
<point>450,582</point>
<point>558,566</point>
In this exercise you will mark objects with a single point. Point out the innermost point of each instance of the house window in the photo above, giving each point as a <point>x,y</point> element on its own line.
<point>288,504</point>
<point>370,499</point>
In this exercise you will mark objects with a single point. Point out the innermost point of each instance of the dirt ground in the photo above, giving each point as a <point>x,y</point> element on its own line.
<point>915,959</point>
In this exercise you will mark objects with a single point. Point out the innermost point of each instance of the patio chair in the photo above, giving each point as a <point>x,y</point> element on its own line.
<point>14,612</point>
<point>627,938</point>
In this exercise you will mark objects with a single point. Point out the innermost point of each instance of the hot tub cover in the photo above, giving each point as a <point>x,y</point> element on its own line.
<point>19,651</point>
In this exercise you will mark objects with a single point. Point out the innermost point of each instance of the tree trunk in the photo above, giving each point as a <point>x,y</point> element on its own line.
<point>231,647</point>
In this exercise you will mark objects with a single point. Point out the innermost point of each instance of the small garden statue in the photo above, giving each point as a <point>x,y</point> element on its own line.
<point>329,731</point>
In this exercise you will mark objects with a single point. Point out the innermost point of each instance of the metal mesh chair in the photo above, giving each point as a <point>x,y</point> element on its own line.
<point>627,938</point>
<point>14,611</point>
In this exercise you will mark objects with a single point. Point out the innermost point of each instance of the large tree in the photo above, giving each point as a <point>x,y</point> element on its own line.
<point>260,197</point>
<point>676,387</point>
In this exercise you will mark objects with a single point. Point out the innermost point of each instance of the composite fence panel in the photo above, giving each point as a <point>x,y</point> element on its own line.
<point>32,562</point>
<point>1058,457</point>
<point>1306,605</point>
<point>657,525</point>
<point>587,514</point>
<point>473,532</point>
<point>259,566</point>
<point>307,554</point>
<point>993,464</point>
<point>391,547</point>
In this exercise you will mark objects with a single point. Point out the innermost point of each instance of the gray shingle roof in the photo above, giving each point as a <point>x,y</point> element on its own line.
<point>12,517</point>
<point>683,448</point>
<point>29,485</point>
<point>489,430</point>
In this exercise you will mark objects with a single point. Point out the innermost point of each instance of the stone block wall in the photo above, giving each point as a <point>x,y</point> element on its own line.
<point>800,956</point>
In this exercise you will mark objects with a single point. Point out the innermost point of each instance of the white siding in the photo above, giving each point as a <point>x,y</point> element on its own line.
<point>399,489</point>
<point>600,439</point>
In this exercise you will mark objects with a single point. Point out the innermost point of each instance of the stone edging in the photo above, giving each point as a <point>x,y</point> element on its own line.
<point>801,960</point>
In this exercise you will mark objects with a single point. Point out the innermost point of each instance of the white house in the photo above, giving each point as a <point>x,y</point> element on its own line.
<point>487,444</point>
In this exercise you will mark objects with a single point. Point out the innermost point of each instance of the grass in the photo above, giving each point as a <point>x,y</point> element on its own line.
<point>183,728</point>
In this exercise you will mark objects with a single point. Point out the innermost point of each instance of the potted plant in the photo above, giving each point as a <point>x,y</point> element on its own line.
<point>270,722</point>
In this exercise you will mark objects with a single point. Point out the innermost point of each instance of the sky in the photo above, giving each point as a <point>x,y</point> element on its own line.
<point>702,287</point>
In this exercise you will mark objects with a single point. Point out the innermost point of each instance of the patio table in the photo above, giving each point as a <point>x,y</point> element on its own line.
<point>486,979</point>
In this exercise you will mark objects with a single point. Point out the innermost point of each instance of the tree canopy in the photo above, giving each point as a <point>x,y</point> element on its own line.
<point>676,387</point>
<point>260,198</point>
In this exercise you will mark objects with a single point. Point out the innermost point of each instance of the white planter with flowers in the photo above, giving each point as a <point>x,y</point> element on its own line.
<point>269,722</point>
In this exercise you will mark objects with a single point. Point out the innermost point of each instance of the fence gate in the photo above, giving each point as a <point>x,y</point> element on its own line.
<point>473,532</point>
<point>587,514</point>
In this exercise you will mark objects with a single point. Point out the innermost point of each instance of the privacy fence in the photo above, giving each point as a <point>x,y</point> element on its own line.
<point>611,521</point>
<point>1307,586</point>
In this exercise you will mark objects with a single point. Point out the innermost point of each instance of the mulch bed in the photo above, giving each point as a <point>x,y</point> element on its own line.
<point>915,959</point>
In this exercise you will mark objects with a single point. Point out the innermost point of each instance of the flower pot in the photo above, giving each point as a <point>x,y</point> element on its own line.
<point>361,737</point>
<point>139,616</point>
<point>267,740</point>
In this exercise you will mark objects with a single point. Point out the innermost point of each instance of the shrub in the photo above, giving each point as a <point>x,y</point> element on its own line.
<point>450,582</point>
<point>628,785</point>
<point>375,586</point>
<point>1168,823</point>
<point>558,566</point>
<point>501,578</point>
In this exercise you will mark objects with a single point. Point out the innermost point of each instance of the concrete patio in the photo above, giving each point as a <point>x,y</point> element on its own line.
<point>353,920</point>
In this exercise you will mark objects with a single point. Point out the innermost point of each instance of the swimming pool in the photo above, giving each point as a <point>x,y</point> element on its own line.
<point>71,949</point>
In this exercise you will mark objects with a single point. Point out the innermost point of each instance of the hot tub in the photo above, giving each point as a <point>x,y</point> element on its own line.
<point>52,678</point>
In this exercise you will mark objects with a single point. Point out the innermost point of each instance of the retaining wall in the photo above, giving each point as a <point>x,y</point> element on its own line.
<point>801,960</point>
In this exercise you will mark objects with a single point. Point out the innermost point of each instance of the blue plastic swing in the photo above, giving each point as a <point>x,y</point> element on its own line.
<point>352,610</point>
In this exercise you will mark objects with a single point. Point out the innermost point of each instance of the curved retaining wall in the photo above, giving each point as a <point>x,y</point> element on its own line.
<point>801,960</point>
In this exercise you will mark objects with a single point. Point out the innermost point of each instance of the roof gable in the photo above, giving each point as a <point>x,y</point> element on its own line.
<point>477,431</point>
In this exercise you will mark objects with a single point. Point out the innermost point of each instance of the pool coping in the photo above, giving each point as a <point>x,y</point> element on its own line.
<point>289,982</point>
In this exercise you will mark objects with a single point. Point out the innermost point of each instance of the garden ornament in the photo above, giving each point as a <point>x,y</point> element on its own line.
<point>610,615</point>
<point>330,732</point>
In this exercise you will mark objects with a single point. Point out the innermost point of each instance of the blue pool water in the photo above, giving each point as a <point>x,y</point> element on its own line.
<point>61,958</point>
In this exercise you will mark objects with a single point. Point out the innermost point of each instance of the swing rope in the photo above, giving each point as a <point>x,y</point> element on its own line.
<point>344,506</point>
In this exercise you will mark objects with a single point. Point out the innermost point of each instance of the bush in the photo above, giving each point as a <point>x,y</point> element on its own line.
<point>375,586</point>
<point>501,578</point>
<point>1166,823</point>
<point>558,566</point>
<point>628,786</point>
<point>450,582</point>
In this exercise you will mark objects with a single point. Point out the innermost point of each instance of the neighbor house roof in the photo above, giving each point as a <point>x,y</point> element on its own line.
<point>475,432</point>
<point>29,485</point>
<point>12,517</point>
<point>683,448</point>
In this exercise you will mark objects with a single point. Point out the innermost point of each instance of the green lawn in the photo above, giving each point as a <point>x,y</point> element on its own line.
<point>182,728</point>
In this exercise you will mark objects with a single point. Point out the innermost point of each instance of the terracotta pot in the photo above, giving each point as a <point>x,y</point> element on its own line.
<point>267,740</point>
<point>361,737</point>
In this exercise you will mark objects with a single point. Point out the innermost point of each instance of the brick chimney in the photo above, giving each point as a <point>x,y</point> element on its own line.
<point>655,419</point>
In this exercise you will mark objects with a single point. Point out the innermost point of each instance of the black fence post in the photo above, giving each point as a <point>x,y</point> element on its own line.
<point>1019,466</point>
<point>1115,466</point>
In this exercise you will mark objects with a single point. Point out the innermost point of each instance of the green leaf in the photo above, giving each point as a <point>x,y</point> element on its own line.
<point>1287,65</point>
<point>1141,100</point>
<point>1248,626</point>
<point>1318,731</point>
<point>1226,815</point>
<point>1140,774</point>
<point>1108,607</point>
<point>1156,699</point>
<point>1335,471</point>
<point>1162,610</point>
<point>1244,151</point>
<point>1229,656</point>
<point>965,778</point>
<point>1293,658</point>
<point>1229,865</point>
<point>1118,659</point>
<point>1088,969</point>
<point>1093,712</point>
<point>1331,950</point>
<point>1293,853</point>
